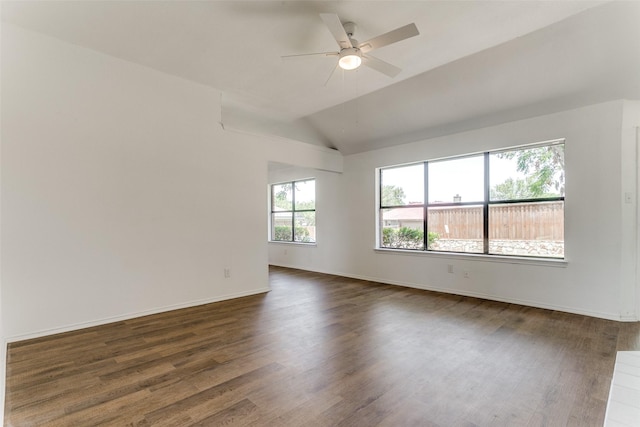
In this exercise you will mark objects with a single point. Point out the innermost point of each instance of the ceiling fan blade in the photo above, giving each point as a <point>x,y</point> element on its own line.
<point>380,65</point>
<point>311,54</point>
<point>391,37</point>
<point>332,21</point>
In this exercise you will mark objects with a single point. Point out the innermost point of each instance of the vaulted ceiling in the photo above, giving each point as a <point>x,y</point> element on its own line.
<point>474,64</point>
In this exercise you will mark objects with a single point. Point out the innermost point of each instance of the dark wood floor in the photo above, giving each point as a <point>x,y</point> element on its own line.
<point>322,350</point>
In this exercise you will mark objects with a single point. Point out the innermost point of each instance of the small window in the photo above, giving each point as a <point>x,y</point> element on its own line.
<point>293,211</point>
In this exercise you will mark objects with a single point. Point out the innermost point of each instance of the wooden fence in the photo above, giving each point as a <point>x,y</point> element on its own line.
<point>520,221</point>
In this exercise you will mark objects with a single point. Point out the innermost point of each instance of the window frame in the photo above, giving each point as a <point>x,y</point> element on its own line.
<point>486,204</point>
<point>293,211</point>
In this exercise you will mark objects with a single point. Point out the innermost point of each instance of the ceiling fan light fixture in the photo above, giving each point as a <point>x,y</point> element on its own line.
<point>350,59</point>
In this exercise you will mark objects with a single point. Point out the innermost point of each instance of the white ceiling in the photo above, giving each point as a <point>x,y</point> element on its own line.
<point>475,63</point>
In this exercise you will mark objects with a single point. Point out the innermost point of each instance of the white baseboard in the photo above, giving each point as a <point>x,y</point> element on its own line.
<point>98,322</point>
<point>537,304</point>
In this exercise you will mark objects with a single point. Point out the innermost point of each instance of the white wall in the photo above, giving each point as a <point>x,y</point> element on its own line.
<point>3,343</point>
<point>121,193</point>
<point>631,187</point>
<point>599,276</point>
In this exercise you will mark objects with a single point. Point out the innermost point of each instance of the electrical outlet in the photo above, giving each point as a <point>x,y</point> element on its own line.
<point>227,273</point>
<point>450,268</point>
<point>628,198</point>
<point>466,275</point>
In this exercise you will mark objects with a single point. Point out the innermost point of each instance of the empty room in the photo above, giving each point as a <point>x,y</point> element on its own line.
<point>320,213</point>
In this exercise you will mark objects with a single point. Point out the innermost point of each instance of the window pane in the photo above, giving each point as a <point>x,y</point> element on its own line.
<point>402,228</point>
<point>281,198</point>
<point>305,230</point>
<point>402,185</point>
<point>457,180</point>
<point>305,193</point>
<point>281,226</point>
<point>529,173</point>
<point>527,229</point>
<point>456,229</point>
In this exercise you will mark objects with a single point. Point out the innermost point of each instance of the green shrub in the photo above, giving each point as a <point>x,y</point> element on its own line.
<point>410,234</point>
<point>432,236</point>
<point>388,236</point>
<point>282,233</point>
<point>406,238</point>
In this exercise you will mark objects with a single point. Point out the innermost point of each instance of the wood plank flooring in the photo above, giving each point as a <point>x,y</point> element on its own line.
<point>321,350</point>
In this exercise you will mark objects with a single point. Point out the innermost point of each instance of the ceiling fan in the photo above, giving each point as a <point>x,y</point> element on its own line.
<point>352,53</point>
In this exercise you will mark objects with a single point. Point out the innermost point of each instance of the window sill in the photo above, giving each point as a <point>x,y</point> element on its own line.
<point>547,262</point>
<point>279,242</point>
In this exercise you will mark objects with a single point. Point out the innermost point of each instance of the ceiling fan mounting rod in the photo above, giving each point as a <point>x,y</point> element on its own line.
<point>349,28</point>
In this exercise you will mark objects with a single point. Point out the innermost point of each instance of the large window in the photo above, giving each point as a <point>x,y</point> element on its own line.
<point>293,211</point>
<point>508,202</point>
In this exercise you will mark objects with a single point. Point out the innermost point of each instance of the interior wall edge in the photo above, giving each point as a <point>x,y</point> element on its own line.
<point>529,303</point>
<point>128,316</point>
